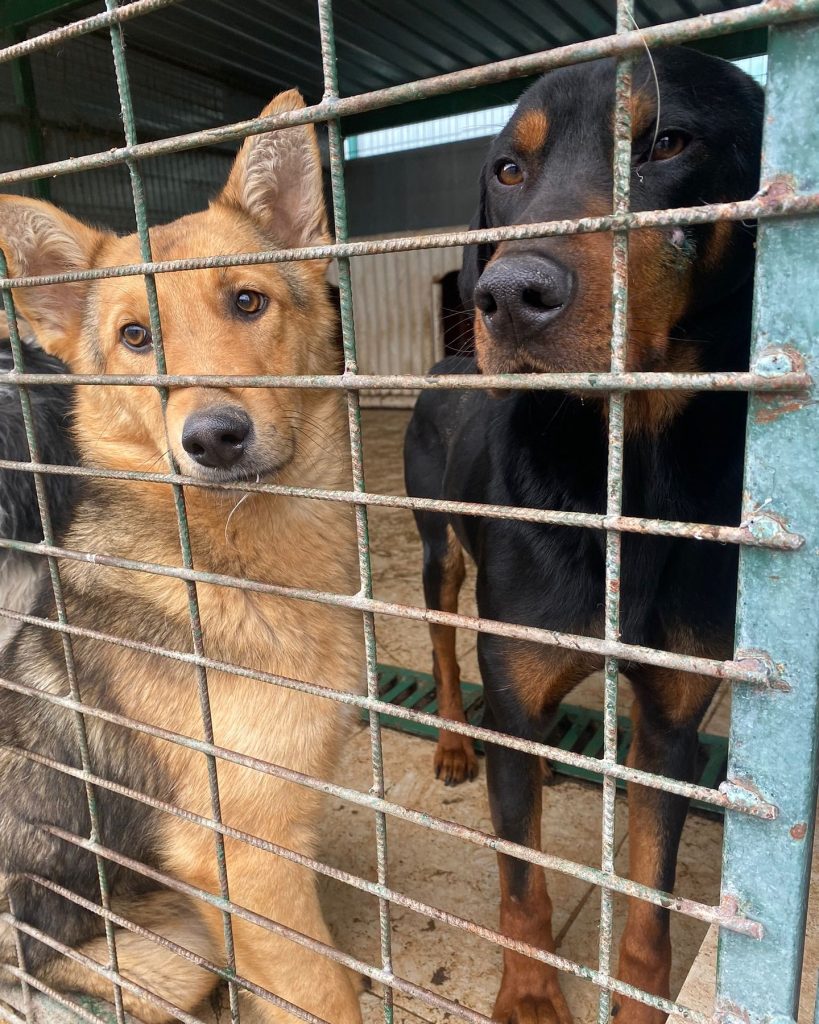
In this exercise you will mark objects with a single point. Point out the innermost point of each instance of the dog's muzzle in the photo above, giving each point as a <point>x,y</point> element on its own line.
<point>519,296</point>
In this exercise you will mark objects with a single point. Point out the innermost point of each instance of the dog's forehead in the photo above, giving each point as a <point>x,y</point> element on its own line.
<point>581,97</point>
<point>213,232</point>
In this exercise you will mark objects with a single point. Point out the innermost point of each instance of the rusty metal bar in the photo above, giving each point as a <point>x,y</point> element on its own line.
<point>113,975</point>
<point>56,36</point>
<point>377,974</point>
<point>727,916</point>
<point>59,604</point>
<point>25,988</point>
<point>621,174</point>
<point>724,797</point>
<point>373,889</point>
<point>160,940</point>
<point>749,669</point>
<point>774,12</point>
<point>141,214</point>
<point>760,530</point>
<point>778,201</point>
<point>62,1000</point>
<point>336,147</point>
<point>595,382</point>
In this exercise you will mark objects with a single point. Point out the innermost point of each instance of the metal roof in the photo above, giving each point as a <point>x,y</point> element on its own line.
<point>261,46</point>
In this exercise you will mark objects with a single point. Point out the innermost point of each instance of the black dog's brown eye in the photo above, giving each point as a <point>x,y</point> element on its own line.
<point>508,173</point>
<point>668,145</point>
<point>248,302</point>
<point>136,337</point>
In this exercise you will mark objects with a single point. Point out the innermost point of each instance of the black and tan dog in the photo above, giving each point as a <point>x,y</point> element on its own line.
<point>545,305</point>
<point>246,320</point>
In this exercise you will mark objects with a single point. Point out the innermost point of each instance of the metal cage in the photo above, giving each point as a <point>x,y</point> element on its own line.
<point>769,799</point>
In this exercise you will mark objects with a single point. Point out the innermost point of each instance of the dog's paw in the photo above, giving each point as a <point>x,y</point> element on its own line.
<point>455,759</point>
<point>629,1011</point>
<point>533,1010</point>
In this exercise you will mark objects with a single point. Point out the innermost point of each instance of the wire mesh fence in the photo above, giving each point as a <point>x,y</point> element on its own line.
<point>781,366</point>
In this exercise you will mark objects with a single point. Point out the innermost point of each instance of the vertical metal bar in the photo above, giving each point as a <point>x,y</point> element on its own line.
<point>328,53</point>
<point>62,618</point>
<point>25,98</point>
<point>138,190</point>
<point>621,172</point>
<point>773,741</point>
<point>25,988</point>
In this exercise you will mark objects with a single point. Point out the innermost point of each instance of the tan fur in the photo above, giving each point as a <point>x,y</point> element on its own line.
<point>659,290</point>
<point>643,112</point>
<point>531,131</point>
<point>455,758</point>
<point>273,197</point>
<point>530,990</point>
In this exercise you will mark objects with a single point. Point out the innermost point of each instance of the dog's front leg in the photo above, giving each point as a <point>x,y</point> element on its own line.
<point>523,682</point>
<point>666,714</point>
<point>530,990</point>
<point>287,894</point>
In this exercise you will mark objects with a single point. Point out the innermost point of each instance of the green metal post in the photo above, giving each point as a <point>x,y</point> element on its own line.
<point>773,747</point>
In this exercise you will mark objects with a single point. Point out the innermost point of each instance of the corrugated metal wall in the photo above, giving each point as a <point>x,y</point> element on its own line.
<point>397,314</point>
<point>78,107</point>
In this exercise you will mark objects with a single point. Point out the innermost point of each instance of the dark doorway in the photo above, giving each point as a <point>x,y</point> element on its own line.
<point>456,323</point>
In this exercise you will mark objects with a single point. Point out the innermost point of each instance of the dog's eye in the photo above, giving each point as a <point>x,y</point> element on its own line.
<point>136,337</point>
<point>668,145</point>
<point>248,302</point>
<point>509,173</point>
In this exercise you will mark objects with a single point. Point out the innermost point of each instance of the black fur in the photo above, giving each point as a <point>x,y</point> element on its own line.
<point>549,449</point>
<point>51,409</point>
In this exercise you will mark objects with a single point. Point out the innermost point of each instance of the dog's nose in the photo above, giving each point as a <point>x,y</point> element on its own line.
<point>217,438</point>
<point>520,295</point>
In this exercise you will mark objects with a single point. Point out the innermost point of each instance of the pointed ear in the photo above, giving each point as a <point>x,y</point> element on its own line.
<point>277,180</point>
<point>475,256</point>
<point>38,239</point>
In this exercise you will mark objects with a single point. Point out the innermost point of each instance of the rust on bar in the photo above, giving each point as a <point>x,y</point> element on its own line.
<point>572,641</point>
<point>749,209</point>
<point>750,533</point>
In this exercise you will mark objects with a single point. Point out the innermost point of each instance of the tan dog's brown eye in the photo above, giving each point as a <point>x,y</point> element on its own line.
<point>669,144</point>
<point>248,302</point>
<point>136,337</point>
<point>509,173</point>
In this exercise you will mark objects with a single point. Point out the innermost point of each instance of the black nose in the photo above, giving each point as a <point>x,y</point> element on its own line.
<point>217,437</point>
<point>519,295</point>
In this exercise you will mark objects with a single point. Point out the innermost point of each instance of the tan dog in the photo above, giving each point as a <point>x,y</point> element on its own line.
<point>241,320</point>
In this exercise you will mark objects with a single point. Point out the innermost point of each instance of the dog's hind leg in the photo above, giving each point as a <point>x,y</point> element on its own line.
<point>444,573</point>
<point>173,916</point>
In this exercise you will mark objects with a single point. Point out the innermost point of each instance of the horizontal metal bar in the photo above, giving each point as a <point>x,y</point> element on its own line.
<point>374,889</point>
<point>774,535</point>
<point>10,1017</point>
<point>112,975</point>
<point>608,880</point>
<point>724,797</point>
<point>60,998</point>
<point>748,670</point>
<point>705,26</point>
<point>173,947</point>
<point>236,910</point>
<point>57,36</point>
<point>373,972</point>
<point>601,382</point>
<point>775,202</point>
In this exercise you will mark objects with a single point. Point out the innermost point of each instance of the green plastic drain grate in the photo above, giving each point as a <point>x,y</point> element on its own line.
<point>575,729</point>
